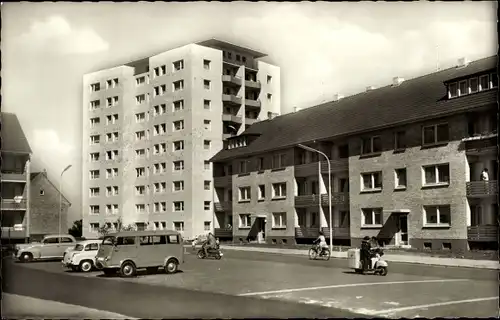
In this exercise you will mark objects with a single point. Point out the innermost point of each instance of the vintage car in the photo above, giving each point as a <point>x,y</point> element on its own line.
<point>51,247</point>
<point>82,256</point>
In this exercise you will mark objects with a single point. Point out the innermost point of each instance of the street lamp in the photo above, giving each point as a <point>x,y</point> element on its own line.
<point>60,194</point>
<point>329,188</point>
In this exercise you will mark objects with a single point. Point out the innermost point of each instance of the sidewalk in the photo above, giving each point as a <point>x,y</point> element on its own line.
<point>417,259</point>
<point>20,307</point>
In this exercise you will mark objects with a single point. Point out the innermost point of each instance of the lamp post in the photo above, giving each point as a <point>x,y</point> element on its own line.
<point>60,194</point>
<point>329,188</point>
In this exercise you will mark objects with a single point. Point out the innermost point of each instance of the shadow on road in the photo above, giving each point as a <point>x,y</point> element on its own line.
<point>140,273</point>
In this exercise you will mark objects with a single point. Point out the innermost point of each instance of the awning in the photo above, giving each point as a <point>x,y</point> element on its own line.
<point>259,215</point>
<point>397,211</point>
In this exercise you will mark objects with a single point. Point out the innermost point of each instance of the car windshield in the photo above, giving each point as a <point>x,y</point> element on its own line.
<point>110,240</point>
<point>78,247</point>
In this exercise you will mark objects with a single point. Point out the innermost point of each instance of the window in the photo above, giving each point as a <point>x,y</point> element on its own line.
<point>179,125</point>
<point>178,65</point>
<point>111,83</point>
<point>206,64</point>
<point>279,190</point>
<point>94,192</point>
<point>474,85</point>
<point>238,58</point>
<point>159,71</point>
<point>262,192</point>
<point>140,99</point>
<point>94,122</point>
<point>260,164</point>
<point>140,117</point>
<point>206,225</point>
<point>159,167</point>
<point>159,187</point>
<point>463,88</point>
<point>94,157</point>
<point>178,186</point>
<point>140,172</point>
<point>206,165</point>
<point>437,174</point>
<point>178,105</point>
<point>371,217</point>
<point>94,174</point>
<point>372,181</point>
<point>484,82</point>
<point>206,104</point>
<point>279,161</point>
<point>400,175</point>
<point>434,134</point>
<point>112,155</point>
<point>178,145</point>
<point>111,136</point>
<point>159,129</point>
<point>206,144</point>
<point>178,165</point>
<point>178,206</point>
<point>178,85</point>
<point>269,79</point>
<point>269,97</point>
<point>111,101</point>
<point>111,209</point>
<point>94,227</point>
<point>94,87</point>
<point>244,59</point>
<point>399,140</point>
<point>206,205</point>
<point>245,194</point>
<point>140,135</point>
<point>437,215</point>
<point>140,153</point>
<point>206,184</point>
<point>140,208</point>
<point>371,145</point>
<point>206,84</point>
<point>111,119</point>
<point>93,209</point>
<point>96,104</point>
<point>494,80</point>
<point>111,191</point>
<point>140,81</point>
<point>279,220</point>
<point>159,110</point>
<point>245,221</point>
<point>160,90</point>
<point>207,124</point>
<point>140,190</point>
<point>111,173</point>
<point>160,148</point>
<point>453,90</point>
<point>125,241</point>
<point>160,207</point>
<point>90,246</point>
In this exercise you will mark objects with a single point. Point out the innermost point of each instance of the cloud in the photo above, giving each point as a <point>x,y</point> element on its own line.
<point>55,34</point>
<point>47,142</point>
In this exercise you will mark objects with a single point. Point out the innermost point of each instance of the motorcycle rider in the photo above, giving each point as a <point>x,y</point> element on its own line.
<point>322,242</point>
<point>210,243</point>
<point>365,253</point>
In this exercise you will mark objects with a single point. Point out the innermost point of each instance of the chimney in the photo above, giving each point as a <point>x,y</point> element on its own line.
<point>296,109</point>
<point>338,97</point>
<point>396,81</point>
<point>45,172</point>
<point>463,62</point>
<point>370,88</point>
<point>271,115</point>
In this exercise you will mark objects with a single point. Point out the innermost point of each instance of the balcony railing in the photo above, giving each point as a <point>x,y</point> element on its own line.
<point>252,84</point>
<point>232,79</point>
<point>252,103</point>
<point>306,232</point>
<point>338,232</point>
<point>481,145</point>
<point>223,232</point>
<point>224,206</point>
<point>13,233</point>
<point>14,176</point>
<point>250,121</point>
<point>231,118</point>
<point>311,169</point>
<point>309,200</point>
<point>479,189</point>
<point>338,198</point>
<point>11,204</point>
<point>232,99</point>
<point>482,233</point>
<point>223,181</point>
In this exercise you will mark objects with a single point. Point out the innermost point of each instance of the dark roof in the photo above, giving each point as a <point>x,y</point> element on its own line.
<point>13,138</point>
<point>216,43</point>
<point>413,100</point>
<point>34,175</point>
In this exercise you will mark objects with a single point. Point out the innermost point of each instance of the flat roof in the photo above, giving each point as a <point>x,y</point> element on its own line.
<point>216,43</point>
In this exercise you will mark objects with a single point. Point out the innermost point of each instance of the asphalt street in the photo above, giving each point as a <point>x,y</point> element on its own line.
<point>252,284</point>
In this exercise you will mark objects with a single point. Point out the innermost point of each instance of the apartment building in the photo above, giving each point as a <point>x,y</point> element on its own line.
<point>404,161</point>
<point>15,168</point>
<point>151,126</point>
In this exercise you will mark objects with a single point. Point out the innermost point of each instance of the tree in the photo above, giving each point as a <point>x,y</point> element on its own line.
<point>108,227</point>
<point>76,229</point>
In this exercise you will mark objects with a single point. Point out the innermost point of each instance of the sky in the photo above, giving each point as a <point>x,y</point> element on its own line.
<point>322,48</point>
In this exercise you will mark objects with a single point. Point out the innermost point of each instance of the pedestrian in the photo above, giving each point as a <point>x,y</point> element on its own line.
<point>193,243</point>
<point>484,175</point>
<point>365,253</point>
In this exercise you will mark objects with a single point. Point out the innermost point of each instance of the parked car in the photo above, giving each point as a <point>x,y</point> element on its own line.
<point>82,257</point>
<point>51,247</point>
<point>128,251</point>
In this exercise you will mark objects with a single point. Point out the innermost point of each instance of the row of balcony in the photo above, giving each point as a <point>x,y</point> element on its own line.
<point>237,119</point>
<point>482,233</point>
<point>14,233</point>
<point>14,176</point>
<point>237,101</point>
<point>11,204</point>
<point>480,189</point>
<point>237,81</point>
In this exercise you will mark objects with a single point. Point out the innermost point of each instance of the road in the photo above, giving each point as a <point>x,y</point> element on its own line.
<point>252,284</point>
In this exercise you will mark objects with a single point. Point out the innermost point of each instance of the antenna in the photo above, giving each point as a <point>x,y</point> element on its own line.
<point>437,58</point>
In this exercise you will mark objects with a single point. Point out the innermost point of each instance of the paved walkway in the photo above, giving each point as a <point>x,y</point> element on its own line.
<point>18,307</point>
<point>418,259</point>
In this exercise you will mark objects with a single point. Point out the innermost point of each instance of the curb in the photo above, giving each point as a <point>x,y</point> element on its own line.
<point>432,261</point>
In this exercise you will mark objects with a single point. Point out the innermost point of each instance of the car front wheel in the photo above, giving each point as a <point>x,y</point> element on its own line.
<point>26,257</point>
<point>86,266</point>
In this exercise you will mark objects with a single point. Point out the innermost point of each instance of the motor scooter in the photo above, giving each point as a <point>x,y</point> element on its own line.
<point>378,265</point>
<point>211,253</point>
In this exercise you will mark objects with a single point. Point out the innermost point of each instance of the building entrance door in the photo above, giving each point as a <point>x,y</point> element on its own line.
<point>402,235</point>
